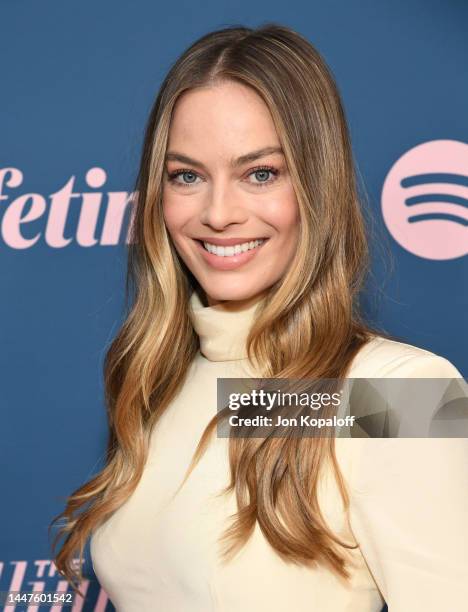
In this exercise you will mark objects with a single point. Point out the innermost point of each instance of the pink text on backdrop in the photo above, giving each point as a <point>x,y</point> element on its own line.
<point>30,207</point>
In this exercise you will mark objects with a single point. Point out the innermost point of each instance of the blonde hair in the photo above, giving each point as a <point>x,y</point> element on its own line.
<point>309,327</point>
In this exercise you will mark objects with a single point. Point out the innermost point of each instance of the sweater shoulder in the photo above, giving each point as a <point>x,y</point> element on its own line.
<point>382,357</point>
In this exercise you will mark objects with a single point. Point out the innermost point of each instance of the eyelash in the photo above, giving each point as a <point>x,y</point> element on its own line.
<point>274,171</point>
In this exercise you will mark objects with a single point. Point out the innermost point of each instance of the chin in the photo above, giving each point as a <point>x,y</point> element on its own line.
<point>231,293</point>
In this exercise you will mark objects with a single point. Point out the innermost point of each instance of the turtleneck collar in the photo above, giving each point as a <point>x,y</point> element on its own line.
<point>223,328</point>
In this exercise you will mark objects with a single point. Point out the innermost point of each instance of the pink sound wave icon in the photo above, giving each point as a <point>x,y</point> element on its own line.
<point>425,200</point>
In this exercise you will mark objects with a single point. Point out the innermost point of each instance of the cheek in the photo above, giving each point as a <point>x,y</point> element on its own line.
<point>283,214</point>
<point>174,215</point>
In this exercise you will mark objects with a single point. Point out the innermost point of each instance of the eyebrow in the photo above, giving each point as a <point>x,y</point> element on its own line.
<point>235,163</point>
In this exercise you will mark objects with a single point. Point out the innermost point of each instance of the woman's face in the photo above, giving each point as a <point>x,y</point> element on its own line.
<point>228,201</point>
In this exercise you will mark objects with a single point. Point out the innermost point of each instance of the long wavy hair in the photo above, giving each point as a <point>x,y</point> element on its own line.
<point>309,327</point>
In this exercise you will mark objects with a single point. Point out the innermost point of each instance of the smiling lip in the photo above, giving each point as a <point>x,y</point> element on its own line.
<point>230,262</point>
<point>229,241</point>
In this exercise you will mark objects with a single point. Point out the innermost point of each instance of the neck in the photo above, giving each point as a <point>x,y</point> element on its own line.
<point>223,327</point>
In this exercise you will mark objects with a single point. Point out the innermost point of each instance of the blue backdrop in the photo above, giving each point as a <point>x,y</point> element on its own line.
<point>78,81</point>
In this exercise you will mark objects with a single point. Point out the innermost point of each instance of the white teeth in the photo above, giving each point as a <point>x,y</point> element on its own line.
<point>231,250</point>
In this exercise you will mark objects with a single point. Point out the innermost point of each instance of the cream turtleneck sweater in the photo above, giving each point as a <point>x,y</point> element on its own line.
<point>408,506</point>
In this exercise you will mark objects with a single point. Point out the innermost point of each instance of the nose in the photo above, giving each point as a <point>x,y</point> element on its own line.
<point>223,207</point>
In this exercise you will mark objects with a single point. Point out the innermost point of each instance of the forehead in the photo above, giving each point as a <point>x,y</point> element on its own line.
<point>227,119</point>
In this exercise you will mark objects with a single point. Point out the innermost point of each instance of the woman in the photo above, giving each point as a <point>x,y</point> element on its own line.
<point>248,253</point>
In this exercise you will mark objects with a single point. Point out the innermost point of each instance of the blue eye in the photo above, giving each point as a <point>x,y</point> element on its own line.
<point>264,170</point>
<point>183,172</point>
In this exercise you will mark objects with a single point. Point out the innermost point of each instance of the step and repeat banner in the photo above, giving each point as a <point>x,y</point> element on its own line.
<point>78,81</point>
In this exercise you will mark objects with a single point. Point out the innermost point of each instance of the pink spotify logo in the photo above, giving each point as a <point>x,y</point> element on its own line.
<point>425,200</point>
